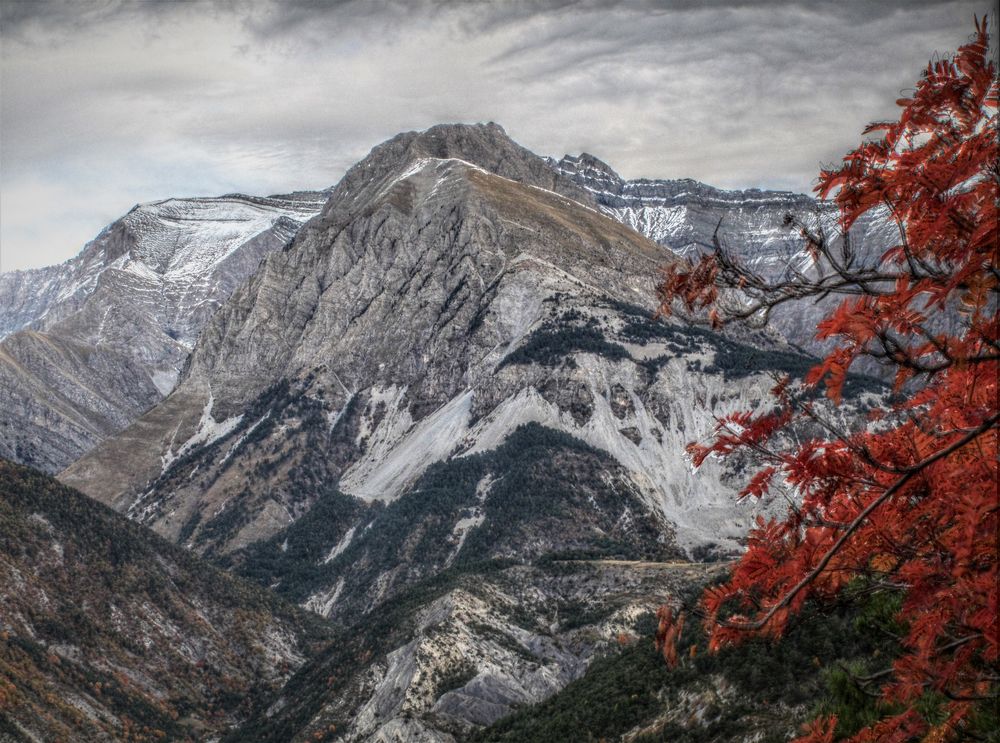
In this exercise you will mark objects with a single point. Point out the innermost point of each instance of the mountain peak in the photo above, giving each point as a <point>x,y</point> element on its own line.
<point>588,166</point>
<point>486,146</point>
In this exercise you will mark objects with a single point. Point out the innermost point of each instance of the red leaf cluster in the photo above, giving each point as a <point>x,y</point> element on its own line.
<point>911,504</point>
<point>668,632</point>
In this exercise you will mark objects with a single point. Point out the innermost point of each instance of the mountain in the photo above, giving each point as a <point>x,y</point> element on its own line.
<point>444,418</point>
<point>760,690</point>
<point>449,626</point>
<point>106,333</point>
<point>687,217</point>
<point>683,214</point>
<point>92,343</point>
<point>430,309</point>
<point>108,632</point>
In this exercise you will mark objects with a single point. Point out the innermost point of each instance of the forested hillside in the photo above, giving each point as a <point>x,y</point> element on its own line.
<point>110,632</point>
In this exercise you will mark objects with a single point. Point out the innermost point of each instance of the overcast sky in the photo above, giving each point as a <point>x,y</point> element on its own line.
<point>108,103</point>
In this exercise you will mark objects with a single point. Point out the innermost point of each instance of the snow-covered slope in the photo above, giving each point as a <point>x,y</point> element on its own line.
<point>181,250</point>
<point>683,214</point>
<point>142,290</point>
<point>686,216</point>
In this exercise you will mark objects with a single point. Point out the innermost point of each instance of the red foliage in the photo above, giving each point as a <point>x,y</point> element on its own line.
<point>911,504</point>
<point>668,631</point>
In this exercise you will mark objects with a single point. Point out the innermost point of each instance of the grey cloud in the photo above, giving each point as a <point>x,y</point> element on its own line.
<point>51,21</point>
<point>191,98</point>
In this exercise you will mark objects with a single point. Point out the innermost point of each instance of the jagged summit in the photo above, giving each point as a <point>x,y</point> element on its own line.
<point>612,191</point>
<point>587,168</point>
<point>435,305</point>
<point>486,146</point>
<point>683,214</point>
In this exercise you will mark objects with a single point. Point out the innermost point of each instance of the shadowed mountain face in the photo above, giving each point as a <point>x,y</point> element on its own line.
<point>107,632</point>
<point>61,396</point>
<point>93,343</point>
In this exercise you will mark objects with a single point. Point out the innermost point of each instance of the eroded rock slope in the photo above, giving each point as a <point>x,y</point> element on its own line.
<point>92,343</point>
<point>432,308</point>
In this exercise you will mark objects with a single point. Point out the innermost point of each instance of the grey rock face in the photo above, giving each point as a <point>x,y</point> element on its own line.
<point>436,307</point>
<point>60,396</point>
<point>685,216</point>
<point>132,303</point>
<point>475,650</point>
<point>454,364</point>
<point>486,146</point>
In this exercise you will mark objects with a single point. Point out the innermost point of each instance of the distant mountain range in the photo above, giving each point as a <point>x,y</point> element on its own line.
<point>92,343</point>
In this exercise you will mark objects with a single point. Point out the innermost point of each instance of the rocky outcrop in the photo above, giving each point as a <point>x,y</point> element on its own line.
<point>466,652</point>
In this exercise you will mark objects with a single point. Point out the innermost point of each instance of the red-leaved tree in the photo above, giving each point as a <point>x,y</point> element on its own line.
<point>909,504</point>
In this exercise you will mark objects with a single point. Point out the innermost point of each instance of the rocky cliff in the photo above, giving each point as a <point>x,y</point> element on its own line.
<point>689,217</point>
<point>432,308</point>
<point>94,342</point>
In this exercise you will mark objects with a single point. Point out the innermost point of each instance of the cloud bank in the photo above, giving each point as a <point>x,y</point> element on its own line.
<point>108,103</point>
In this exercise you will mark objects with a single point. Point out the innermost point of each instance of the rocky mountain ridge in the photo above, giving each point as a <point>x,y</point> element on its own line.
<point>456,654</point>
<point>119,320</point>
<point>433,315</point>
<point>753,225</point>
<point>683,214</point>
<point>179,246</point>
<point>94,342</point>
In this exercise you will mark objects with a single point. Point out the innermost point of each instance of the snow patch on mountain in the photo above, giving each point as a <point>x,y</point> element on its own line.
<point>174,245</point>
